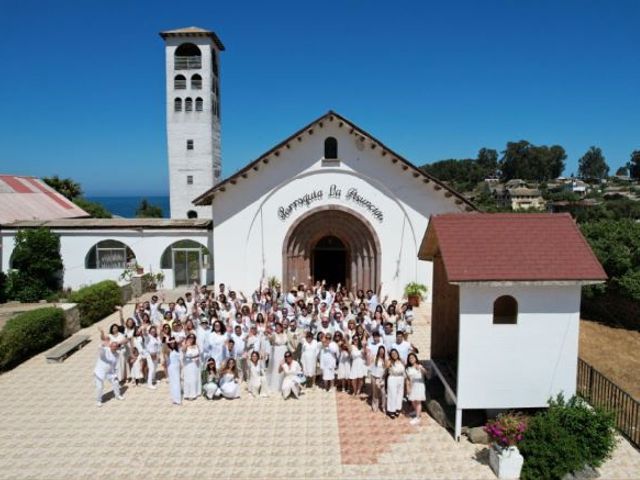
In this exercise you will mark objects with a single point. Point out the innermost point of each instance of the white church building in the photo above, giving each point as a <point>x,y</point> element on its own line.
<point>330,202</point>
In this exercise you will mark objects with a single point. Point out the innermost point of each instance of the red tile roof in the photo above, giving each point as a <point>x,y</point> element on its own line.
<point>29,198</point>
<point>478,247</point>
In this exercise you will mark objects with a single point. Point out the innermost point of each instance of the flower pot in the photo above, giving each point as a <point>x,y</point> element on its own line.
<point>139,270</point>
<point>506,462</point>
<point>414,300</point>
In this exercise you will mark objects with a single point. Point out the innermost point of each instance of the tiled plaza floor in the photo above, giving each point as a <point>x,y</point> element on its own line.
<point>52,429</point>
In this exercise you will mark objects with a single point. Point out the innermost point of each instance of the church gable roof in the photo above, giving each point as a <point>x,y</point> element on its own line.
<point>373,143</point>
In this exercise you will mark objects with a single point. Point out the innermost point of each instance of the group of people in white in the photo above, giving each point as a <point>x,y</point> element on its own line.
<point>211,342</point>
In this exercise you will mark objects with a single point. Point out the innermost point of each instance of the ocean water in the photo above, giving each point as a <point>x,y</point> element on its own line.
<point>126,206</point>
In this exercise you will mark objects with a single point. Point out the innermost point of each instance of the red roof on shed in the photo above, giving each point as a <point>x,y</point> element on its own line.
<point>478,247</point>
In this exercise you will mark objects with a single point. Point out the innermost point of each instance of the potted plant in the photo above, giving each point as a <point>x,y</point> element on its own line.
<point>273,283</point>
<point>505,432</point>
<point>139,269</point>
<point>414,293</point>
<point>160,279</point>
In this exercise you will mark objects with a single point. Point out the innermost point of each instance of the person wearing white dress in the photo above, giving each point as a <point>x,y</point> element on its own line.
<point>257,379</point>
<point>309,358</point>
<point>174,364</point>
<point>152,347</point>
<point>210,382</point>
<point>358,366</point>
<point>344,366</point>
<point>137,357</point>
<point>117,336</point>
<point>291,370</point>
<point>229,381</point>
<point>105,369</point>
<point>192,379</point>
<point>328,361</point>
<point>215,342</point>
<point>377,366</point>
<point>395,384</point>
<point>415,386</point>
<point>279,342</point>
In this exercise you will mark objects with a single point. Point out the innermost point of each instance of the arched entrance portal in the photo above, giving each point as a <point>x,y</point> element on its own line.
<point>329,261</point>
<point>332,244</point>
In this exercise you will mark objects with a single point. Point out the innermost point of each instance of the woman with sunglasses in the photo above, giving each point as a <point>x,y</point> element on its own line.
<point>210,388</point>
<point>291,370</point>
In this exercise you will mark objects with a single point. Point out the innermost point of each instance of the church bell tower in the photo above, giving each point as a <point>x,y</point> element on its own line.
<point>193,117</point>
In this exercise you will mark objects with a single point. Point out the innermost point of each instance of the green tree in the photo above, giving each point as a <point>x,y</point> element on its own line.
<point>38,264</point>
<point>530,162</point>
<point>95,209</point>
<point>634,165</point>
<point>64,186</point>
<point>592,165</point>
<point>488,160</point>
<point>148,210</point>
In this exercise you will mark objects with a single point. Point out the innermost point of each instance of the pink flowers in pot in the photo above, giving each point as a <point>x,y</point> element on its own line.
<point>507,429</point>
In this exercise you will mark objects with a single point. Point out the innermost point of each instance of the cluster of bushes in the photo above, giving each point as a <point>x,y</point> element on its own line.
<point>96,301</point>
<point>28,334</point>
<point>617,245</point>
<point>565,438</point>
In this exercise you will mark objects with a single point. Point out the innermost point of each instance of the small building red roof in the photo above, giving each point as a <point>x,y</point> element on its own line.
<point>29,198</point>
<point>494,247</point>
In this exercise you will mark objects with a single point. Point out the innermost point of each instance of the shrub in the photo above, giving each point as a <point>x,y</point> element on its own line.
<point>96,301</point>
<point>3,287</point>
<point>26,289</point>
<point>566,437</point>
<point>30,333</point>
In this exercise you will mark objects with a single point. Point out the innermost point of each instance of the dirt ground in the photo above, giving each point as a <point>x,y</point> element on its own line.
<point>615,352</point>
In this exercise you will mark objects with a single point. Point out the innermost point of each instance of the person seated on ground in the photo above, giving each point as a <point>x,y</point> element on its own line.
<point>210,387</point>
<point>229,381</point>
<point>291,370</point>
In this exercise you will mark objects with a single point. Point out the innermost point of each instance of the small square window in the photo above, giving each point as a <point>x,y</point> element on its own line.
<point>189,179</point>
<point>189,144</point>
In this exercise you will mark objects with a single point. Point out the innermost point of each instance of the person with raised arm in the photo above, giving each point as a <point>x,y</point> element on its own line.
<point>105,369</point>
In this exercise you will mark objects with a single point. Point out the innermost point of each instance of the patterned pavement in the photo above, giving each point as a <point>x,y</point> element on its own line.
<point>52,429</point>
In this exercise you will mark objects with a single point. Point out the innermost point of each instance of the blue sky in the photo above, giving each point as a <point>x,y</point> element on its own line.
<point>82,87</point>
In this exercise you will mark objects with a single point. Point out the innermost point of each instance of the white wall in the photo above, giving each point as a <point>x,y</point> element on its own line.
<point>248,234</point>
<point>523,365</point>
<point>147,245</point>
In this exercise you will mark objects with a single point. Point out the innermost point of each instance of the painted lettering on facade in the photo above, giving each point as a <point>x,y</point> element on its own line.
<point>333,193</point>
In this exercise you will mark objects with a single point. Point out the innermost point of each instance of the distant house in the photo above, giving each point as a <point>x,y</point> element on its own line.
<point>29,198</point>
<point>576,186</point>
<point>515,194</point>
<point>506,307</point>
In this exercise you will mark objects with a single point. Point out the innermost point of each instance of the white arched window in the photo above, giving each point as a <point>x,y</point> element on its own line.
<point>196,82</point>
<point>109,254</point>
<point>177,105</point>
<point>187,57</point>
<point>180,82</point>
<point>188,104</point>
<point>199,104</point>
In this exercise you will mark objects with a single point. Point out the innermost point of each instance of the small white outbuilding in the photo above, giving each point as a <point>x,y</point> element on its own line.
<point>506,307</point>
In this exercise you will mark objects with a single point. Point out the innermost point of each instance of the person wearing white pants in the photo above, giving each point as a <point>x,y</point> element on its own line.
<point>105,369</point>
<point>396,376</point>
